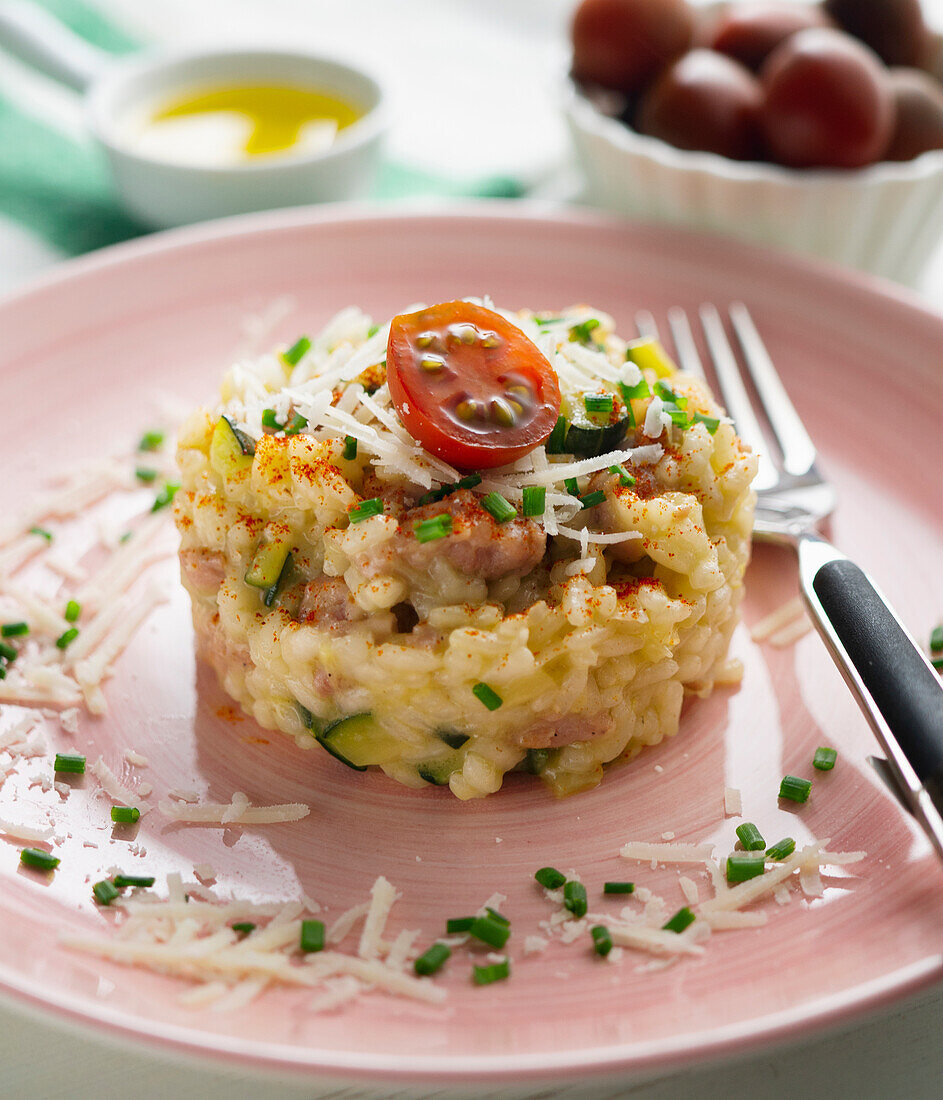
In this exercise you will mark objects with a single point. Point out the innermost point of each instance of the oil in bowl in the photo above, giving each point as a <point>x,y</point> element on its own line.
<point>221,126</point>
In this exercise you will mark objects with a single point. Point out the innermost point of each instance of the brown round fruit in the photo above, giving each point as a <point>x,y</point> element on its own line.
<point>828,102</point>
<point>894,29</point>
<point>704,101</point>
<point>750,32</point>
<point>919,125</point>
<point>622,44</point>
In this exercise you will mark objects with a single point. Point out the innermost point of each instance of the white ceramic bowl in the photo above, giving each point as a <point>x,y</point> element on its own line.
<point>886,219</point>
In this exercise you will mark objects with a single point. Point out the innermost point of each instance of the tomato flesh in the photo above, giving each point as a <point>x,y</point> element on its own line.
<point>469,386</point>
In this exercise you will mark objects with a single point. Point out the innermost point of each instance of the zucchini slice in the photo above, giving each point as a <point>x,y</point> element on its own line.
<point>438,771</point>
<point>270,556</point>
<point>358,741</point>
<point>451,737</point>
<point>231,450</point>
<point>648,354</point>
<point>588,440</point>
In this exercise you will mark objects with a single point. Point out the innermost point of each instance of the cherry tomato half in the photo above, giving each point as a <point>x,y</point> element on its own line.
<point>469,385</point>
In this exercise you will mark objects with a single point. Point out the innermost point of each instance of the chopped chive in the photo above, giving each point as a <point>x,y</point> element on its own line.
<point>598,403</point>
<point>750,837</point>
<point>744,865</point>
<point>243,927</point>
<point>67,637</point>
<point>554,444</point>
<point>7,651</point>
<point>133,880</point>
<point>712,423</point>
<point>145,474</point>
<point>269,420</point>
<point>372,331</point>
<point>105,892</point>
<point>165,496</point>
<point>496,972</point>
<point>535,500</point>
<point>679,921</point>
<point>500,508</point>
<point>469,481</point>
<point>459,924</point>
<point>350,447</point>
<point>72,611</point>
<point>572,486</point>
<point>602,939</point>
<point>574,898</point>
<point>490,931</point>
<point>794,788</point>
<point>13,630</point>
<point>365,509</point>
<point>127,535</point>
<point>582,333</point>
<point>71,762</point>
<point>618,887</point>
<point>36,857</point>
<point>937,663</point>
<point>782,849</point>
<point>436,527</point>
<point>625,478</point>
<point>151,441</point>
<point>592,499</point>
<point>3,672</point>
<point>431,960</point>
<point>42,533</point>
<point>312,935</point>
<point>666,393</point>
<point>936,639</point>
<point>824,759</point>
<point>495,915</point>
<point>634,393</point>
<point>298,424</point>
<point>125,815</point>
<point>296,351</point>
<point>491,699</point>
<point>550,878</point>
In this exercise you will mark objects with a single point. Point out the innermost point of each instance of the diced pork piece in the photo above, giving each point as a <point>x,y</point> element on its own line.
<point>552,733</point>
<point>327,602</point>
<point>202,570</point>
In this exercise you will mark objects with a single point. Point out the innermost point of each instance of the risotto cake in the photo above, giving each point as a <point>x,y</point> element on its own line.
<point>466,542</point>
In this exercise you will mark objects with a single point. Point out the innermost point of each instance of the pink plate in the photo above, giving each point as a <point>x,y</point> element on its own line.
<point>80,355</point>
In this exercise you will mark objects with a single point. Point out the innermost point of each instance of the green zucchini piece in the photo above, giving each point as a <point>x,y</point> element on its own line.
<point>587,439</point>
<point>451,737</point>
<point>438,771</point>
<point>648,354</point>
<point>231,450</point>
<point>358,741</point>
<point>270,556</point>
<point>271,593</point>
<point>313,724</point>
<point>535,761</point>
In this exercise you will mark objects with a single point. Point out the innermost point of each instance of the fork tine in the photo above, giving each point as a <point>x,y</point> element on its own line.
<point>735,395</point>
<point>794,442</point>
<point>646,325</point>
<point>688,357</point>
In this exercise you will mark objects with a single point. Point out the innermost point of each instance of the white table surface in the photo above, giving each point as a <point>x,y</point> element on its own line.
<point>897,1052</point>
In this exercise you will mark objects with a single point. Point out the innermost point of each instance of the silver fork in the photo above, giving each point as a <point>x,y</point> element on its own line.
<point>895,684</point>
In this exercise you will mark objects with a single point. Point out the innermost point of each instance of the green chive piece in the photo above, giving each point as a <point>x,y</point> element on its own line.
<point>750,837</point>
<point>436,527</point>
<point>312,936</point>
<point>71,762</point>
<point>572,486</point>
<point>372,331</point>
<point>269,421</point>
<point>165,496</point>
<point>712,423</point>
<point>550,878</point>
<point>145,474</point>
<point>125,815</point>
<point>602,939</point>
<point>535,500</point>
<point>744,865</point>
<point>459,924</point>
<point>13,630</point>
<point>133,880</point>
<point>936,639</point>
<point>151,441</point>
<point>36,857</point>
<point>554,444</point>
<point>666,393</point>
<point>625,478</point>
<point>496,972</point>
<point>67,638</point>
<point>634,393</point>
<point>298,424</point>
<point>72,611</point>
<point>592,499</point>
<point>365,509</point>
<point>495,915</point>
<point>3,672</point>
<point>937,663</point>
<point>679,921</point>
<point>600,403</point>
<point>350,447</point>
<point>500,508</point>
<point>794,788</point>
<point>491,699</point>
<point>782,849</point>
<point>243,927</point>
<point>42,533</point>
<point>431,960</point>
<point>582,333</point>
<point>7,651</point>
<point>574,898</point>
<point>490,931</point>
<point>299,348</point>
<point>824,759</point>
<point>618,887</point>
<point>105,892</point>
<point>127,535</point>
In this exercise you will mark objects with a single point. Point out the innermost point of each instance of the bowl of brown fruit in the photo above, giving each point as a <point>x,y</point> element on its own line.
<point>812,127</point>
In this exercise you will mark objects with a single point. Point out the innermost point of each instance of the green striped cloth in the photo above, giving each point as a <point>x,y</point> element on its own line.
<point>57,187</point>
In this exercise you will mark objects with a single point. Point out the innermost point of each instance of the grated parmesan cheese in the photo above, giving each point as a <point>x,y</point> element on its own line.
<point>239,811</point>
<point>733,803</point>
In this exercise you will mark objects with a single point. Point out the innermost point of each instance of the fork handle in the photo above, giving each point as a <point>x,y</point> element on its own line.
<point>897,687</point>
